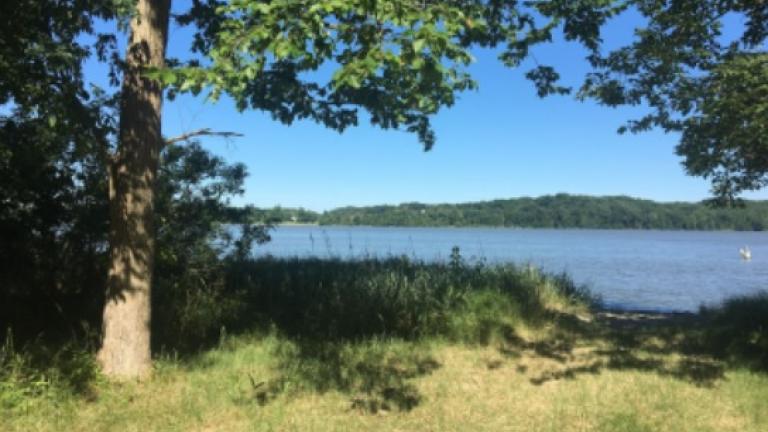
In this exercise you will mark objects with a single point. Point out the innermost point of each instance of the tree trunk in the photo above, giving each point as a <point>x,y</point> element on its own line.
<point>125,349</point>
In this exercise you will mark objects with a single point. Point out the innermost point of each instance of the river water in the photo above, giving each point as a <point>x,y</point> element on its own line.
<point>631,269</point>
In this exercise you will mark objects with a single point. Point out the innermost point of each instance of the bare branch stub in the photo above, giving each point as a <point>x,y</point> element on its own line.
<point>201,132</point>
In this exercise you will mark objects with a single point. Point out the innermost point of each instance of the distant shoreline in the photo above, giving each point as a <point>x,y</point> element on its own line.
<point>521,228</point>
<point>560,211</point>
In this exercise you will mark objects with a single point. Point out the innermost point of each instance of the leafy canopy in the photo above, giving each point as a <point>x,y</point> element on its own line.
<point>701,68</point>
<point>399,60</point>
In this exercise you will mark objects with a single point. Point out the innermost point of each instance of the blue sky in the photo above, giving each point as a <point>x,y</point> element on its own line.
<point>500,141</point>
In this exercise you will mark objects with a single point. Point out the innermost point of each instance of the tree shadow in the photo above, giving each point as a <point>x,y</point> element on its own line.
<point>376,376</point>
<point>665,344</point>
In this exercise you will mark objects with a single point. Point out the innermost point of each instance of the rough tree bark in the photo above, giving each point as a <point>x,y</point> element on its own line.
<point>125,349</point>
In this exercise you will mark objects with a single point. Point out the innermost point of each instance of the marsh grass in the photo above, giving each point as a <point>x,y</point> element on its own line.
<point>399,344</point>
<point>335,300</point>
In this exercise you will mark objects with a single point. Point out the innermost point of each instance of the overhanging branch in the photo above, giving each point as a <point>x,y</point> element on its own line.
<point>201,132</point>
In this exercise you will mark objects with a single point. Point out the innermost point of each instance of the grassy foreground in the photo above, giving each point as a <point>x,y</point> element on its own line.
<point>417,347</point>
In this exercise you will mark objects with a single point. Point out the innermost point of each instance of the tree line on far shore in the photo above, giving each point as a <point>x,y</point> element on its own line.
<point>550,211</point>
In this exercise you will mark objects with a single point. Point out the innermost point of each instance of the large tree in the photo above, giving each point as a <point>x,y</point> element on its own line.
<point>399,60</point>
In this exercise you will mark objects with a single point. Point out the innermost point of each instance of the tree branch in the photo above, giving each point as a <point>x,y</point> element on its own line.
<point>200,132</point>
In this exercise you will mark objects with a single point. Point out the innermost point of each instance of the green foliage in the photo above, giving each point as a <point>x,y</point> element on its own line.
<point>698,75</point>
<point>727,140</point>
<point>558,211</point>
<point>53,220</point>
<point>54,250</point>
<point>55,134</point>
<point>191,201</point>
<point>42,53</point>
<point>399,60</point>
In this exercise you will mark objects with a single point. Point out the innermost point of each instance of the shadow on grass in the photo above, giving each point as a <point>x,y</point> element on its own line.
<point>376,374</point>
<point>670,345</point>
<point>333,315</point>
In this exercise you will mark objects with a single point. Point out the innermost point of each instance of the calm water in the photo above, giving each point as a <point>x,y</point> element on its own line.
<point>659,270</point>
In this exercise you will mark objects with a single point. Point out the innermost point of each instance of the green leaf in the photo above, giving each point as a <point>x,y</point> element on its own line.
<point>168,77</point>
<point>418,45</point>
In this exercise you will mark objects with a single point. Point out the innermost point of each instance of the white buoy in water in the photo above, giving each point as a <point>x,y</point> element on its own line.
<point>745,253</point>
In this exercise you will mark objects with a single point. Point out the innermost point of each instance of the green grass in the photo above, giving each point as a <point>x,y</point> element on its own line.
<point>387,345</point>
<point>739,330</point>
<point>333,299</point>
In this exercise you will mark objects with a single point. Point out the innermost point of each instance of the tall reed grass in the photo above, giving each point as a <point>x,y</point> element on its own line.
<point>399,296</point>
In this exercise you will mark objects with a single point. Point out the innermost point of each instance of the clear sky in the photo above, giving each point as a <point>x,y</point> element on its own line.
<point>500,141</point>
